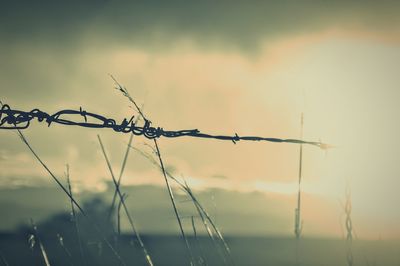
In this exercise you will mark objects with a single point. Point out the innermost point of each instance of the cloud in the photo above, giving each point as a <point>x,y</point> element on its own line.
<point>219,176</point>
<point>158,24</point>
<point>264,214</point>
<point>3,155</point>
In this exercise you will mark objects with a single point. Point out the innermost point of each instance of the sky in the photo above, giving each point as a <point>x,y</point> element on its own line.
<point>249,68</point>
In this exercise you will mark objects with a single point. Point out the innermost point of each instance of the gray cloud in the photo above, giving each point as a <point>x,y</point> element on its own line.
<point>159,23</point>
<point>45,44</point>
<point>151,207</point>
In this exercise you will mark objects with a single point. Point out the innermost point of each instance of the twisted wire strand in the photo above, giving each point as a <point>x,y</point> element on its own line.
<point>12,119</point>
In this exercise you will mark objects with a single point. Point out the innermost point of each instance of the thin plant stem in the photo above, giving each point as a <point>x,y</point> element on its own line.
<point>95,225</point>
<point>42,249</point>
<point>66,250</point>
<point>298,224</point>
<point>201,256</point>
<point>135,231</point>
<point>119,214</point>
<point>200,209</point>
<point>120,174</point>
<point>171,195</point>
<point>75,218</point>
<point>349,227</point>
<point>3,259</point>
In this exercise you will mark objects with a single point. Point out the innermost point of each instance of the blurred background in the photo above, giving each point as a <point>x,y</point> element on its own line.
<point>224,67</point>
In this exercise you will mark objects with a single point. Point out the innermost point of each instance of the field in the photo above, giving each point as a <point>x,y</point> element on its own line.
<point>168,250</point>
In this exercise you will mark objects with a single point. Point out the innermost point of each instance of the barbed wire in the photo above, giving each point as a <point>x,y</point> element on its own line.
<point>11,119</point>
